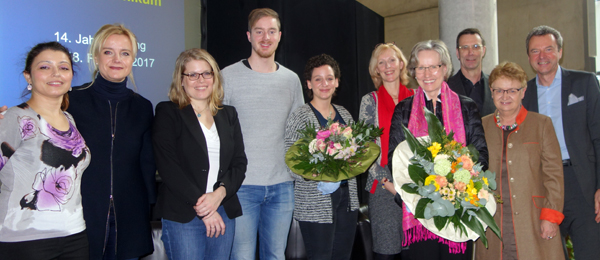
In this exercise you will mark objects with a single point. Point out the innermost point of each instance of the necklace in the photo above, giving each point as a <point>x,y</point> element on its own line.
<point>198,114</point>
<point>504,127</point>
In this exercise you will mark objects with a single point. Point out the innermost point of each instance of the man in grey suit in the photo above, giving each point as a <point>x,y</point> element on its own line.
<point>571,99</point>
<point>470,81</point>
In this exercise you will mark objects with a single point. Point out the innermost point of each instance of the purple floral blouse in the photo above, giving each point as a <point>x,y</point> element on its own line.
<point>40,172</point>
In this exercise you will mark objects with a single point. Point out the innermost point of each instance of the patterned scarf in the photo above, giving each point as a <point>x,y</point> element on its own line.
<point>417,125</point>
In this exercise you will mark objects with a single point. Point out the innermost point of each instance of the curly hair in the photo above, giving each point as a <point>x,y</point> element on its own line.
<point>318,61</point>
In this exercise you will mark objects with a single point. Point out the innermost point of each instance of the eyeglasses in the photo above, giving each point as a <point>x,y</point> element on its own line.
<point>510,91</point>
<point>432,69</point>
<point>196,76</point>
<point>475,47</point>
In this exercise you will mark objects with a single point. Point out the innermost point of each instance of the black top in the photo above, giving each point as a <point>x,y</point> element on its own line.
<point>323,121</point>
<point>123,167</point>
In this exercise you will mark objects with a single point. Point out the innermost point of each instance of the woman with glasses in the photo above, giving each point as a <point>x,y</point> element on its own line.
<point>390,76</point>
<point>525,155</point>
<point>200,157</point>
<point>430,64</point>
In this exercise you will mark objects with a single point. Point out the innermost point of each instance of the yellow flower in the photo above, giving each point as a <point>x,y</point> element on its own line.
<point>435,149</point>
<point>485,180</point>
<point>431,179</point>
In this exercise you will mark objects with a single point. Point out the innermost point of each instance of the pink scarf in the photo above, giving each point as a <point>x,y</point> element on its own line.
<point>417,125</point>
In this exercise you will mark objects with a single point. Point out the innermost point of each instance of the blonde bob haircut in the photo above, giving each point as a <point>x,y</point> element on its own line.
<point>177,93</point>
<point>100,38</point>
<point>509,70</point>
<point>431,45</point>
<point>377,81</point>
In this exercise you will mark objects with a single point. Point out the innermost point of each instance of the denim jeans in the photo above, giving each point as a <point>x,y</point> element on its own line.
<point>189,241</point>
<point>268,211</point>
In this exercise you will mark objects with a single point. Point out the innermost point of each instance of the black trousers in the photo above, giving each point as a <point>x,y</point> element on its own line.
<point>579,220</point>
<point>332,241</point>
<point>74,247</point>
<point>432,250</point>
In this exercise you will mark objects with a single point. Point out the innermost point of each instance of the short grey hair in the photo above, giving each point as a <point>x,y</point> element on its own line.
<point>433,45</point>
<point>543,30</point>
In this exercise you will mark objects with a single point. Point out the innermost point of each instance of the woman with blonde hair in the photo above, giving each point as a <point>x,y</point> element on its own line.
<point>119,185</point>
<point>389,74</point>
<point>200,157</point>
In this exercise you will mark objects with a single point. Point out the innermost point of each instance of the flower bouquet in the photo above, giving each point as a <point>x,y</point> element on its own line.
<point>443,186</point>
<point>334,153</point>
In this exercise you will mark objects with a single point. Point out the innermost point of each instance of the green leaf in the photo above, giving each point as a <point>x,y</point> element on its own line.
<point>476,227</point>
<point>412,190</point>
<point>413,143</point>
<point>474,153</point>
<point>488,219</point>
<point>417,174</point>
<point>440,222</point>
<point>420,209</point>
<point>434,126</point>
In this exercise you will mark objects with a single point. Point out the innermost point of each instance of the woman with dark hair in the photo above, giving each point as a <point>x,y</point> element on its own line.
<point>200,156</point>
<point>119,185</point>
<point>326,211</point>
<point>42,159</point>
<point>431,66</point>
<point>389,74</point>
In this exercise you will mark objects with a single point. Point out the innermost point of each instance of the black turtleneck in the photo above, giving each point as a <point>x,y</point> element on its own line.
<point>113,91</point>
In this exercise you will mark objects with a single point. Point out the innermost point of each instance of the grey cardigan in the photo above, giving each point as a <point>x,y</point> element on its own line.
<point>310,204</point>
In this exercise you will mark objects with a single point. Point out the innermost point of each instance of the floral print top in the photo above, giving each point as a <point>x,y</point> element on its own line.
<point>40,172</point>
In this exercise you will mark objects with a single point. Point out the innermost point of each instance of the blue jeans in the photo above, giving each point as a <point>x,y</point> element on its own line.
<point>189,241</point>
<point>268,211</point>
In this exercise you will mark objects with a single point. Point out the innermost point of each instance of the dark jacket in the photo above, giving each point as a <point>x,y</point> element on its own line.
<point>485,106</point>
<point>473,129</point>
<point>182,160</point>
<point>580,97</point>
<point>123,166</point>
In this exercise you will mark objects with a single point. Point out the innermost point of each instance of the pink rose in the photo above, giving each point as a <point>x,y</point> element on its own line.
<point>474,173</point>
<point>331,150</point>
<point>461,186</point>
<point>442,181</point>
<point>321,145</point>
<point>323,134</point>
<point>467,163</point>
<point>334,128</point>
<point>337,146</point>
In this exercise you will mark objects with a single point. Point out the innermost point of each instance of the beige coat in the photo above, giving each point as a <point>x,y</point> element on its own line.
<point>536,181</point>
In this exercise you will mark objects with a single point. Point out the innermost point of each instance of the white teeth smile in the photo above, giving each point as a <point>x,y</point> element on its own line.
<point>429,81</point>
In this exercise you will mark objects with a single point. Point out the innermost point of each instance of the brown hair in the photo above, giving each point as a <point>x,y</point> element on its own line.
<point>373,63</point>
<point>318,61</point>
<point>543,30</point>
<point>258,13</point>
<point>509,70</point>
<point>470,31</point>
<point>176,92</point>
<point>39,48</point>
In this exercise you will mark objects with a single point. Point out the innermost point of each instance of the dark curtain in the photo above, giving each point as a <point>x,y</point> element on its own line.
<point>344,29</point>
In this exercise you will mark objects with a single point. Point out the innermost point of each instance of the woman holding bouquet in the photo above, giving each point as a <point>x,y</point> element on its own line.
<point>525,154</point>
<point>390,76</point>
<point>326,211</point>
<point>430,64</point>
<point>200,156</point>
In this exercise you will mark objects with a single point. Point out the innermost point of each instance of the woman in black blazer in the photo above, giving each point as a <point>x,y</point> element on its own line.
<point>200,157</point>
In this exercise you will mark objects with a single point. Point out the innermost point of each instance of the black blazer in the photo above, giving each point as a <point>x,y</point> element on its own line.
<point>182,160</point>
<point>581,125</point>
<point>455,83</point>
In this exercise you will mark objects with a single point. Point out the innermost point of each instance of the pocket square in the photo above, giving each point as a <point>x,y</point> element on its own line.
<point>574,99</point>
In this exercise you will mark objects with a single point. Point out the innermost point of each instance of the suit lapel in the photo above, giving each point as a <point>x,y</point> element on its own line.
<point>224,130</point>
<point>191,122</point>
<point>565,90</point>
<point>488,102</point>
<point>531,97</point>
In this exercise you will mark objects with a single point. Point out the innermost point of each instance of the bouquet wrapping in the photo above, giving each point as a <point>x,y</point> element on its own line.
<point>334,153</point>
<point>442,184</point>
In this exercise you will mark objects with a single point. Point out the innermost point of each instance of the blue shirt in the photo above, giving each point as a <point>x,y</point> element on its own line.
<point>549,102</point>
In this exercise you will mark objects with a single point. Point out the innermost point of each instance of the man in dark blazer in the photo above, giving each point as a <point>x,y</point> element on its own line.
<point>469,80</point>
<point>571,99</point>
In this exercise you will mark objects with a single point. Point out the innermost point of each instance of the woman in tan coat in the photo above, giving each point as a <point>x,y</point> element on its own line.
<point>525,155</point>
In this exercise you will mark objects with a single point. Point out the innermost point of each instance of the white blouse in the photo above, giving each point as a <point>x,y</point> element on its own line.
<point>213,143</point>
